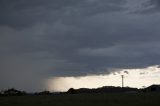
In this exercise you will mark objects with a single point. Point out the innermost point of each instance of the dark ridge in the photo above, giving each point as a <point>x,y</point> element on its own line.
<point>105,89</point>
<point>43,93</point>
<point>152,88</point>
<point>12,91</point>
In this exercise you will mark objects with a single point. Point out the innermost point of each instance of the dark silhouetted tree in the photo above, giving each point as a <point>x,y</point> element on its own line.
<point>71,91</point>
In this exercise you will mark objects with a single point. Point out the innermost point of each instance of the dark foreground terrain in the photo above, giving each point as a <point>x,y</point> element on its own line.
<point>99,99</point>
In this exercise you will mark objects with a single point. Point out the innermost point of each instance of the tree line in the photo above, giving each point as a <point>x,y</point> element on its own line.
<point>105,89</point>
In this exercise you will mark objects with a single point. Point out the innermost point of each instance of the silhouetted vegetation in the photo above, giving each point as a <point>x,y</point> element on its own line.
<point>104,96</point>
<point>43,93</point>
<point>152,88</point>
<point>105,89</point>
<point>71,91</point>
<point>13,92</point>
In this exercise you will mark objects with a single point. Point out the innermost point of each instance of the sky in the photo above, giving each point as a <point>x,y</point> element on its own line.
<point>136,78</point>
<point>54,44</point>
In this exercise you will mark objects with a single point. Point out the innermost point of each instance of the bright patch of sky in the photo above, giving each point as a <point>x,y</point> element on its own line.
<point>132,78</point>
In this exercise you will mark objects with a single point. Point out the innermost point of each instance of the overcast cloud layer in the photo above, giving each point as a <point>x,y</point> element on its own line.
<point>45,38</point>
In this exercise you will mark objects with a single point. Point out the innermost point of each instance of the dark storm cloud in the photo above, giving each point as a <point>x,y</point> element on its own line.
<point>44,38</point>
<point>155,3</point>
<point>22,13</point>
<point>150,6</point>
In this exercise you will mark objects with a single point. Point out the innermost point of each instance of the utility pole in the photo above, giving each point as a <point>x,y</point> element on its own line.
<point>122,80</point>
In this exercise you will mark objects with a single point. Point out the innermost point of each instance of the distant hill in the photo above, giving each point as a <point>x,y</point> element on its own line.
<point>152,88</point>
<point>105,89</point>
<point>112,89</point>
<point>13,91</point>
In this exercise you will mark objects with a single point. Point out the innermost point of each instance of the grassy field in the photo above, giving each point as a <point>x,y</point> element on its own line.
<point>109,99</point>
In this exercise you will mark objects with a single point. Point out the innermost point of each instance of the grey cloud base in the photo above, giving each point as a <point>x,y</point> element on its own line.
<point>40,39</point>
